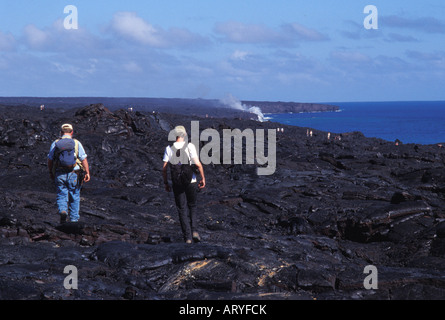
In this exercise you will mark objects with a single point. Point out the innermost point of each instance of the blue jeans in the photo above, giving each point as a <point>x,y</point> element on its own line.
<point>68,194</point>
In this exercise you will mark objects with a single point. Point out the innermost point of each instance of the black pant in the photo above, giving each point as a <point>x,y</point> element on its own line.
<point>185,197</point>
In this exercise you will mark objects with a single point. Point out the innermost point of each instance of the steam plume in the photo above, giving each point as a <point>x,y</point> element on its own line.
<point>232,102</point>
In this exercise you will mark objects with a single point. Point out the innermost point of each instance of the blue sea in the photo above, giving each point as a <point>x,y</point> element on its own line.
<point>420,122</point>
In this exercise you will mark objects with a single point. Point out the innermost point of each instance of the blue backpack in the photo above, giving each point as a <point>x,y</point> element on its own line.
<point>66,152</point>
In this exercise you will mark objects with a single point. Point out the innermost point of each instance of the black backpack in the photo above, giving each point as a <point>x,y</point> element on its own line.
<point>65,152</point>
<point>181,168</point>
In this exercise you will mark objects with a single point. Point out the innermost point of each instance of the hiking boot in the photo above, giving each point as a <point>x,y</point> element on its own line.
<point>63,216</point>
<point>196,237</point>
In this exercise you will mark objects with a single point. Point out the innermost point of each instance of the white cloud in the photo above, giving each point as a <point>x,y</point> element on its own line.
<point>239,55</point>
<point>56,38</point>
<point>356,31</point>
<point>129,26</point>
<point>7,42</point>
<point>304,33</point>
<point>424,24</point>
<point>80,70</point>
<point>286,35</point>
<point>132,67</point>
<point>434,60</point>
<point>395,37</point>
<point>34,37</point>
<point>299,78</point>
<point>349,57</point>
<point>239,32</point>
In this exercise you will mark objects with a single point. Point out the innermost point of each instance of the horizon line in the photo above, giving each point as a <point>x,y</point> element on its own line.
<point>218,99</point>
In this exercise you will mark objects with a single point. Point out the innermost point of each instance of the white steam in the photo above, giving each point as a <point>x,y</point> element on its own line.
<point>234,103</point>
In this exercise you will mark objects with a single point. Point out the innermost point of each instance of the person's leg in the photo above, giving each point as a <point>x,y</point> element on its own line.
<point>74,196</point>
<point>191,194</point>
<point>181,205</point>
<point>62,195</point>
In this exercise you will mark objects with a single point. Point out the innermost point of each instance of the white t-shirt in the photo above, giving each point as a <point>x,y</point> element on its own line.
<point>190,151</point>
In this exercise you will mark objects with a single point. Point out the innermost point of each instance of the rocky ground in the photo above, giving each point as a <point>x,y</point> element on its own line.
<point>308,231</point>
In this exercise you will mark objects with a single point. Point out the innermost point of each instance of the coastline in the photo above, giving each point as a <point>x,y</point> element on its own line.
<point>164,104</point>
<point>411,122</point>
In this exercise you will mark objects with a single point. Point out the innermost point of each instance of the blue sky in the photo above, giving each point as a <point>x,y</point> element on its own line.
<point>286,50</point>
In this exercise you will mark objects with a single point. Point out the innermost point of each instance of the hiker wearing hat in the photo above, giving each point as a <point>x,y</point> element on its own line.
<point>184,164</point>
<point>68,168</point>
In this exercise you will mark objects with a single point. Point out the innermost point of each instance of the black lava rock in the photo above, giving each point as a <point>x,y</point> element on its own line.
<point>307,231</point>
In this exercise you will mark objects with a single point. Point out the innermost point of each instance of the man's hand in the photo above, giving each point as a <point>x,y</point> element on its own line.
<point>86,167</point>
<point>202,183</point>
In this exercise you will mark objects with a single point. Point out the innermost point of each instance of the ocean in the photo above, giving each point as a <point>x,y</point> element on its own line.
<point>419,122</point>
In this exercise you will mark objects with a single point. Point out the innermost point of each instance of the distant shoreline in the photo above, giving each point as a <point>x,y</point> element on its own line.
<point>165,104</point>
<point>418,122</point>
<point>294,107</point>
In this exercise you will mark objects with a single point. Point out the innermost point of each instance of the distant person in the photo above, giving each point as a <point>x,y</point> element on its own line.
<point>68,168</point>
<point>183,161</point>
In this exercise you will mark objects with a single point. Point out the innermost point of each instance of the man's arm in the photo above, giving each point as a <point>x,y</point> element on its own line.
<point>198,163</point>
<point>82,156</point>
<point>50,160</point>
<point>87,170</point>
<point>195,159</point>
<point>164,175</point>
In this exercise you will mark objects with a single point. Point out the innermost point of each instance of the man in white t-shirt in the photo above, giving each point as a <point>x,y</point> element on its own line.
<point>185,196</point>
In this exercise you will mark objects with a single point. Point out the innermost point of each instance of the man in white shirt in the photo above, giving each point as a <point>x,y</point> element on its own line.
<point>185,195</point>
